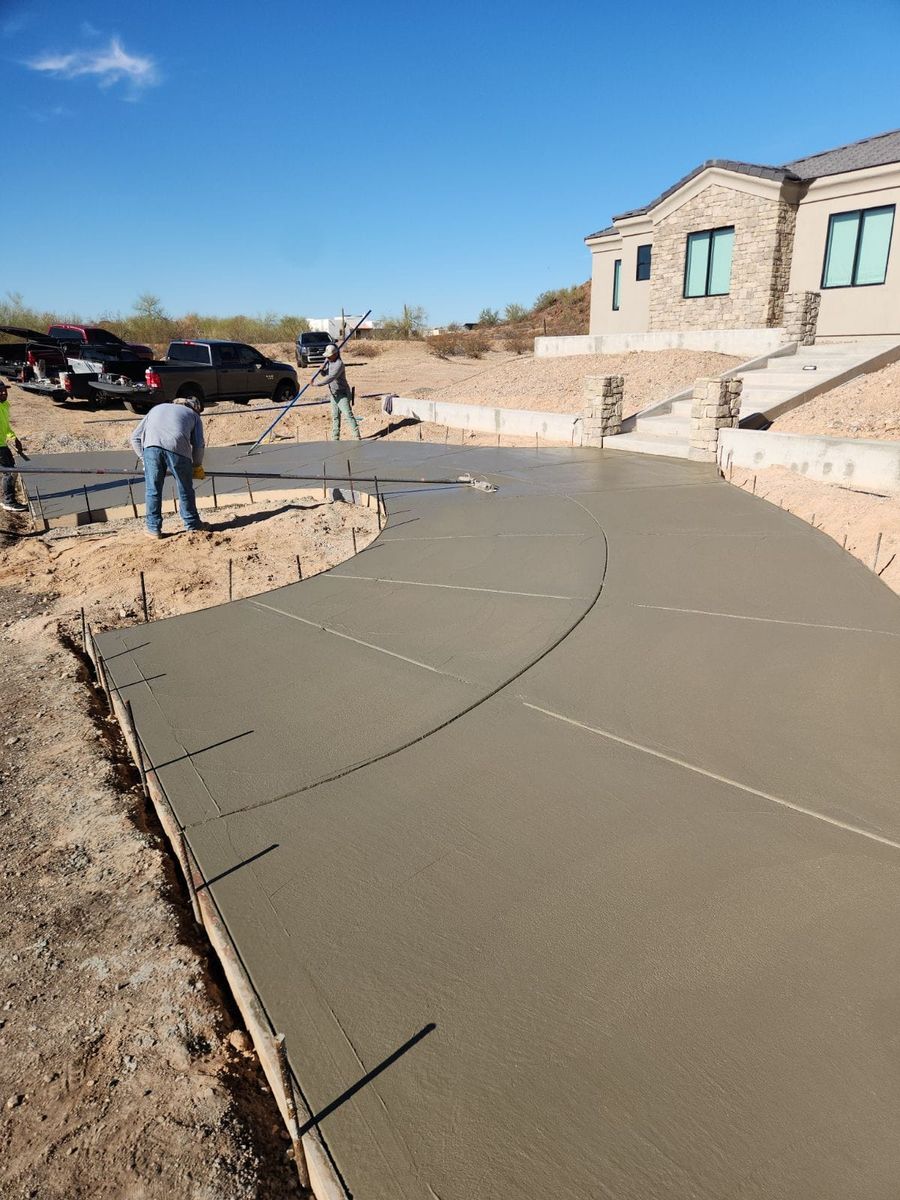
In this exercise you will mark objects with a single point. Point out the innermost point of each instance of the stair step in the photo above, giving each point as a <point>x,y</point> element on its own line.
<point>645,444</point>
<point>665,425</point>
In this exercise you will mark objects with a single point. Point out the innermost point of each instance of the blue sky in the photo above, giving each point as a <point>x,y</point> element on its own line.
<point>292,157</point>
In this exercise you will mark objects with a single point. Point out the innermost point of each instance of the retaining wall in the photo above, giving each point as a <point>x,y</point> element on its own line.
<point>862,465</point>
<point>744,343</point>
<point>564,428</point>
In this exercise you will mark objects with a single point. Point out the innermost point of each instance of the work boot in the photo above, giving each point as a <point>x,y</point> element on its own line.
<point>153,533</point>
<point>14,506</point>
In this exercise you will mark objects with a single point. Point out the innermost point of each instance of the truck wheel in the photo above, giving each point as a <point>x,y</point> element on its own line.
<point>284,393</point>
<point>191,392</point>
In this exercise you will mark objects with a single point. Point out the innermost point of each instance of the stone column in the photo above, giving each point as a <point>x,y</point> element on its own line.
<point>602,414</point>
<point>801,315</point>
<point>715,405</point>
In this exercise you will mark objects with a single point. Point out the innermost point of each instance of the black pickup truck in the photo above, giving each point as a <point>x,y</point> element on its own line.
<point>62,371</point>
<point>206,368</point>
<point>31,348</point>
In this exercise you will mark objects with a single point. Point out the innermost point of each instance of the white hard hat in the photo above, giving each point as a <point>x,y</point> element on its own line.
<point>331,350</point>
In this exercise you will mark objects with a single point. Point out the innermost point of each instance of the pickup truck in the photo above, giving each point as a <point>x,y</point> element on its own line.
<point>311,347</point>
<point>31,348</point>
<point>91,336</point>
<point>208,369</point>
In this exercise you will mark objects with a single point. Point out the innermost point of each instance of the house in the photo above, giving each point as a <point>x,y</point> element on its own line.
<point>339,327</point>
<point>806,246</point>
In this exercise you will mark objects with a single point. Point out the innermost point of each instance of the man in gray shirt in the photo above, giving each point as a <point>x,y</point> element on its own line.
<point>170,437</point>
<point>334,377</point>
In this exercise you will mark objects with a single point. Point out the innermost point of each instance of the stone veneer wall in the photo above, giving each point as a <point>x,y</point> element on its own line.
<point>801,316</point>
<point>760,268</point>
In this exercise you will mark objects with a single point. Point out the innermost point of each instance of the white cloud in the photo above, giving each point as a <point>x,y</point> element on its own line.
<point>108,65</point>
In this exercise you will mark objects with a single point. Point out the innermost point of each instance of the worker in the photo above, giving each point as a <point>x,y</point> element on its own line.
<point>170,437</point>
<point>7,459</point>
<point>334,377</point>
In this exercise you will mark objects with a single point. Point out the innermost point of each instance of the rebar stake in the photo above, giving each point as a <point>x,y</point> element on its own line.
<point>299,569</point>
<point>877,548</point>
<point>134,510</point>
<point>87,505</point>
<point>40,505</point>
<point>353,532</point>
<point>290,1102</point>
<point>350,478</point>
<point>377,502</point>
<point>324,484</point>
<point>754,485</point>
<point>230,578</point>
<point>84,644</point>
<point>212,480</point>
<point>144,599</point>
<point>249,489</point>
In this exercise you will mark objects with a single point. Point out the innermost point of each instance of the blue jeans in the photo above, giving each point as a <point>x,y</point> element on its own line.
<point>340,406</point>
<point>156,461</point>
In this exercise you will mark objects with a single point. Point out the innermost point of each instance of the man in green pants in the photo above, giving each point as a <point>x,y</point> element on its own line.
<point>334,377</point>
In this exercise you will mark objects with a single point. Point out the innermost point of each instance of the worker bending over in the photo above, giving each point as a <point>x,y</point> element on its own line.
<point>170,437</point>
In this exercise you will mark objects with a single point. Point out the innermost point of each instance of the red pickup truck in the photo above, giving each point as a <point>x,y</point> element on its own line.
<point>92,335</point>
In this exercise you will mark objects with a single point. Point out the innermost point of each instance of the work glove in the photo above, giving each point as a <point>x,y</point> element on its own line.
<point>199,473</point>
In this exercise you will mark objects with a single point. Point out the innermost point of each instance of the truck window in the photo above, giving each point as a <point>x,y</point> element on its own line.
<point>102,337</point>
<point>65,335</point>
<point>227,355</point>
<point>189,352</point>
<point>247,356</point>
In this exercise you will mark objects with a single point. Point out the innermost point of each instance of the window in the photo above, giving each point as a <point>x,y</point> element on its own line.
<point>188,352</point>
<point>707,263</point>
<point>617,276</point>
<point>856,251</point>
<point>247,356</point>
<point>643,262</point>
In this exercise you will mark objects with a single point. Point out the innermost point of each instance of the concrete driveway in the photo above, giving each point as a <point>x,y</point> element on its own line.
<point>599,776</point>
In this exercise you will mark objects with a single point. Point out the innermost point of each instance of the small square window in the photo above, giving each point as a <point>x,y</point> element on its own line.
<point>643,262</point>
<point>617,279</point>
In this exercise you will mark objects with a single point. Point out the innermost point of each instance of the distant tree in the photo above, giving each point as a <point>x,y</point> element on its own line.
<point>409,324</point>
<point>150,307</point>
<point>515,312</point>
<point>489,316</point>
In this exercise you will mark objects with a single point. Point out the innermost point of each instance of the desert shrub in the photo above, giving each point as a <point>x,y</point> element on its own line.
<point>515,312</point>
<point>519,343</point>
<point>443,345</point>
<point>363,348</point>
<point>489,317</point>
<point>475,344</point>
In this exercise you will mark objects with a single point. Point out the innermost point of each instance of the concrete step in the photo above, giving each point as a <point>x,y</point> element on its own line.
<point>643,444</point>
<point>675,425</point>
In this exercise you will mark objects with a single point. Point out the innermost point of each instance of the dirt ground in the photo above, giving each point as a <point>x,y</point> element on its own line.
<point>124,1072</point>
<point>867,407</point>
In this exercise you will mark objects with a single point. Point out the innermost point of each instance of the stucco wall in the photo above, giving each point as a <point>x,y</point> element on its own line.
<point>848,311</point>
<point>760,224</point>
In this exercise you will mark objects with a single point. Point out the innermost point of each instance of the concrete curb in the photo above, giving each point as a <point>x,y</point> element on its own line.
<point>860,464</point>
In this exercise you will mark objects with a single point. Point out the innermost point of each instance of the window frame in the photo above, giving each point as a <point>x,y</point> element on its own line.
<point>638,277</point>
<point>708,233</point>
<point>617,284</point>
<point>860,214</point>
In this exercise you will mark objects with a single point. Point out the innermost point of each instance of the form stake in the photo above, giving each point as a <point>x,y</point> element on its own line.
<point>249,490</point>
<point>754,485</point>
<point>299,569</point>
<point>877,548</point>
<point>87,505</point>
<point>144,599</point>
<point>134,511</point>
<point>215,497</point>
<point>84,644</point>
<point>353,532</point>
<point>350,477</point>
<point>230,578</point>
<point>324,488</point>
<point>290,1104</point>
<point>41,508</point>
<point>378,502</point>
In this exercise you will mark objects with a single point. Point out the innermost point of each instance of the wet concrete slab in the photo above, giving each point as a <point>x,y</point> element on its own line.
<point>639,865</point>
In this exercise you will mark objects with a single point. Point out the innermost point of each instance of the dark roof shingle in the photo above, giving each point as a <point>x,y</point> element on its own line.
<point>856,156</point>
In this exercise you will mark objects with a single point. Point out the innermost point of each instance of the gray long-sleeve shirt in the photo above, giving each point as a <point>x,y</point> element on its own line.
<point>174,427</point>
<point>334,377</point>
